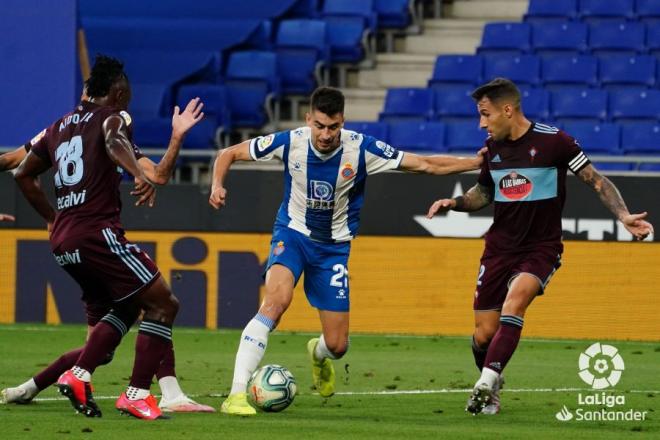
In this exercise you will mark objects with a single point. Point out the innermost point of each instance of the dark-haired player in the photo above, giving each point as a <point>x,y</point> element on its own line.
<point>325,171</point>
<point>88,148</point>
<point>173,398</point>
<point>524,174</point>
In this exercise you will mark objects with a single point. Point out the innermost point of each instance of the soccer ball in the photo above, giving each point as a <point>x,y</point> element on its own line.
<point>272,388</point>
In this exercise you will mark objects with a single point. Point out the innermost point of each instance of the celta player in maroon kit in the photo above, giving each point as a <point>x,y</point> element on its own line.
<point>524,175</point>
<point>88,148</point>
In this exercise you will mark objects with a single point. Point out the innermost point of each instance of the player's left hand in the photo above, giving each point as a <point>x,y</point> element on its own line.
<point>7,218</point>
<point>191,115</point>
<point>638,227</point>
<point>145,191</point>
<point>481,155</point>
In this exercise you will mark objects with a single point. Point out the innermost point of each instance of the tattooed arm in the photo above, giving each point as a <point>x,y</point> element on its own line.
<point>477,197</point>
<point>611,198</point>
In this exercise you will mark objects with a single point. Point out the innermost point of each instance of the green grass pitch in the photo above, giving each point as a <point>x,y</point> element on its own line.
<point>394,387</point>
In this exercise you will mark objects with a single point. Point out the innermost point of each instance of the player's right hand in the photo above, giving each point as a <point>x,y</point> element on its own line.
<point>145,191</point>
<point>440,206</point>
<point>217,197</point>
<point>7,218</point>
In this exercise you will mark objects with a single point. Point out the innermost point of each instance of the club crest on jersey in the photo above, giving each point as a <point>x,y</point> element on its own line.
<point>126,116</point>
<point>347,172</point>
<point>265,142</point>
<point>532,153</point>
<point>515,186</point>
<point>279,248</point>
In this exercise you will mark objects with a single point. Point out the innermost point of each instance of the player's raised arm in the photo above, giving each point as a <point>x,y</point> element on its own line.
<point>611,198</point>
<point>223,161</point>
<point>440,164</point>
<point>11,159</point>
<point>182,122</point>
<point>27,180</point>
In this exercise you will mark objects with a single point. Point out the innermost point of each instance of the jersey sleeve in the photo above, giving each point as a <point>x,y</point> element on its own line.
<point>380,156</point>
<point>572,154</point>
<point>485,178</point>
<point>268,147</point>
<point>136,151</point>
<point>39,146</point>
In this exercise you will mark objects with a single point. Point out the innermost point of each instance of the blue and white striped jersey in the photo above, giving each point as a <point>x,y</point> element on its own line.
<point>323,193</point>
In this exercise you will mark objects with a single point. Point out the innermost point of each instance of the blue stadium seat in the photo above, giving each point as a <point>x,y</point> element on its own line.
<point>305,9</point>
<point>618,71</point>
<point>407,104</point>
<point>554,10</point>
<point>599,10</point>
<point>255,65</point>
<point>648,11</point>
<point>608,38</point>
<point>504,38</point>
<point>216,103</point>
<point>375,129</point>
<point>564,71</point>
<point>593,138</point>
<point>653,40</point>
<point>417,136</point>
<point>452,71</point>
<point>613,166</point>
<point>641,105</point>
<point>641,138</point>
<point>589,104</point>
<point>455,105</point>
<point>559,38</point>
<point>536,104</point>
<point>301,52</point>
<point>346,38</point>
<point>465,136</point>
<point>654,167</point>
<point>351,8</point>
<point>393,13</point>
<point>523,69</point>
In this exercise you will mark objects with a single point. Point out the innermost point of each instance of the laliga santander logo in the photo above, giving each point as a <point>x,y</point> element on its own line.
<point>601,366</point>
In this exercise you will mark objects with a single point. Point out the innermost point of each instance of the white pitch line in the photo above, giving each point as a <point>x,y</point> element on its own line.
<point>394,393</point>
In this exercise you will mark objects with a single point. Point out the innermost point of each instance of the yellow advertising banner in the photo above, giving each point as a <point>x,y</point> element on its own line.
<point>421,286</point>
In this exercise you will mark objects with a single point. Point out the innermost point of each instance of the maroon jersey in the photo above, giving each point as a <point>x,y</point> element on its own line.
<point>528,179</point>
<point>86,179</point>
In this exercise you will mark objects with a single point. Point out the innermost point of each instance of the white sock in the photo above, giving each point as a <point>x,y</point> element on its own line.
<point>250,352</point>
<point>489,377</point>
<point>81,374</point>
<point>30,388</point>
<point>134,393</point>
<point>169,388</point>
<point>321,352</point>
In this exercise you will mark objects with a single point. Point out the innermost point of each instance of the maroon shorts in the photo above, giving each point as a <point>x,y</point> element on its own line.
<point>498,270</point>
<point>107,267</point>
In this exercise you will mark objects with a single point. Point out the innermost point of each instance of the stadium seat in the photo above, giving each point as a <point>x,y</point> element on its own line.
<point>455,105</point>
<point>214,97</point>
<point>300,43</point>
<point>375,129</point>
<point>536,104</point>
<point>559,38</point>
<point>593,138</point>
<point>523,69</point>
<point>653,40</point>
<point>608,38</point>
<point>393,13</point>
<point>407,104</point>
<point>565,71</point>
<point>347,38</point>
<point>452,71</point>
<point>642,105</point>
<point>465,136</point>
<point>641,138</point>
<point>648,11</point>
<point>504,38</point>
<point>599,10</point>
<point>305,9</point>
<point>417,136</point>
<point>589,104</point>
<point>653,167</point>
<point>613,166</point>
<point>618,71</point>
<point>547,11</point>
<point>363,9</point>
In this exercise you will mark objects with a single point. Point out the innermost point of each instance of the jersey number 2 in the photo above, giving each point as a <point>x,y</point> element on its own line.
<point>69,162</point>
<point>342,272</point>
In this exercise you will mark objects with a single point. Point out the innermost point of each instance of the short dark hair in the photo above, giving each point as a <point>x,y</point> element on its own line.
<point>328,100</point>
<point>105,72</point>
<point>497,90</point>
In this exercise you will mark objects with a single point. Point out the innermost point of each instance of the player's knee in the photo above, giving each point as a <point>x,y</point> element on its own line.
<point>483,335</point>
<point>337,346</point>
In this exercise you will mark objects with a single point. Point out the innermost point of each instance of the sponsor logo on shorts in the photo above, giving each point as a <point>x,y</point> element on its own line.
<point>515,186</point>
<point>341,294</point>
<point>68,258</point>
<point>279,249</point>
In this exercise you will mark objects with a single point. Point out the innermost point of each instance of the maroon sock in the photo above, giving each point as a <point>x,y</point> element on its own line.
<point>51,373</point>
<point>153,341</point>
<point>504,343</point>
<point>166,367</point>
<point>479,354</point>
<point>103,339</point>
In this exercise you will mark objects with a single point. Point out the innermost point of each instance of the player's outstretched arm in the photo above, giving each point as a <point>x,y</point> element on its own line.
<point>27,180</point>
<point>223,161</point>
<point>440,164</point>
<point>611,198</point>
<point>12,159</point>
<point>477,197</point>
<point>182,122</point>
<point>7,218</point>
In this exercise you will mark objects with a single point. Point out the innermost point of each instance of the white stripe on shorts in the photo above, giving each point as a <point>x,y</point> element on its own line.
<point>129,259</point>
